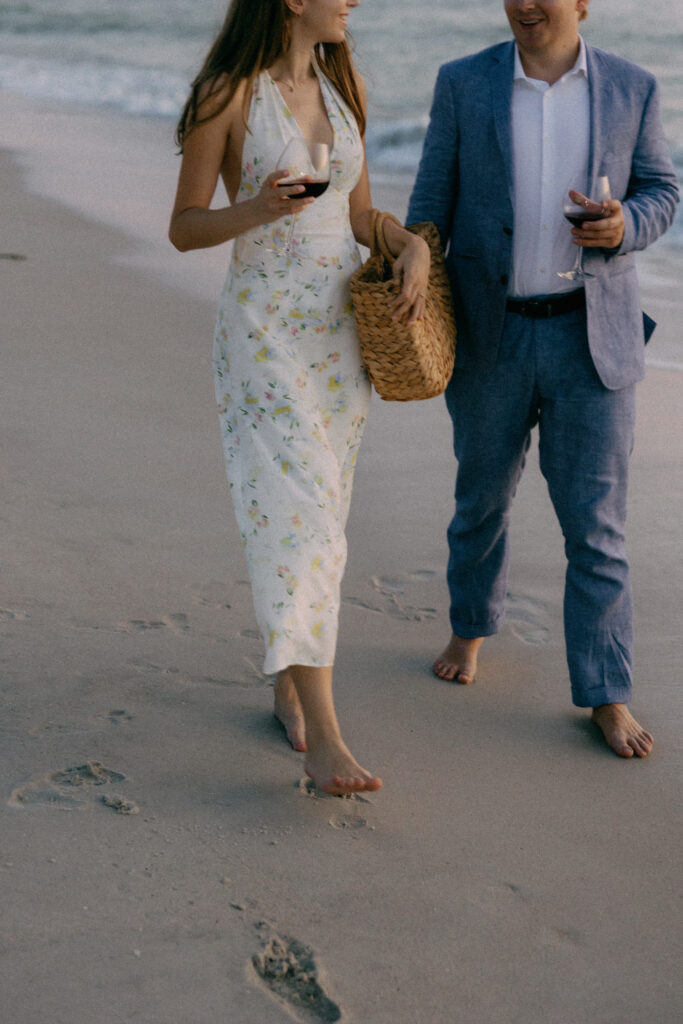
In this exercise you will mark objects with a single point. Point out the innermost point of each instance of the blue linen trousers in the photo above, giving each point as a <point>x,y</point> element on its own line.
<point>544,375</point>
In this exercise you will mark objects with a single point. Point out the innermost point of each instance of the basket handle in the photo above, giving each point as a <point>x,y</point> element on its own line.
<point>378,243</point>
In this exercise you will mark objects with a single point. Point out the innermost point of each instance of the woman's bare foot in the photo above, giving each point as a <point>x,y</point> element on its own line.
<point>458,663</point>
<point>335,770</point>
<point>329,762</point>
<point>289,712</point>
<point>623,734</point>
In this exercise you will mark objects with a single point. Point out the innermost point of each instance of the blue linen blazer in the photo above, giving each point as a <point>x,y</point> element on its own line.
<point>465,185</point>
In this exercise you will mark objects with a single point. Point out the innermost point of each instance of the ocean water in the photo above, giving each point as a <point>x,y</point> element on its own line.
<point>138,56</point>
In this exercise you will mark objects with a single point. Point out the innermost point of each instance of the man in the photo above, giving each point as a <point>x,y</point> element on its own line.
<point>512,130</point>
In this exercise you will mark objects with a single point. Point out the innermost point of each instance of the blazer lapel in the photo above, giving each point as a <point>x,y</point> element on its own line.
<point>500,84</point>
<point>600,99</point>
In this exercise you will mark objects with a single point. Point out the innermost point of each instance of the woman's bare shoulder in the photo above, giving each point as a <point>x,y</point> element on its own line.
<point>220,98</point>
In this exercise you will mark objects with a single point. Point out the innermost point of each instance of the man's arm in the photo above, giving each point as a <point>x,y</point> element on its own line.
<point>433,196</point>
<point>652,195</point>
<point>651,198</point>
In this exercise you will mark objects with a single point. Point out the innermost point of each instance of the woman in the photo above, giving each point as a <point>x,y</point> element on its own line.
<point>291,388</point>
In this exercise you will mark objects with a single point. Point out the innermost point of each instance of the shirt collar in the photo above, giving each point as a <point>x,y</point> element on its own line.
<point>580,67</point>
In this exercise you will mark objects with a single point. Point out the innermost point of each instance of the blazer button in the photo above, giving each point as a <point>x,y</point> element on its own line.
<point>504,279</point>
<point>507,231</point>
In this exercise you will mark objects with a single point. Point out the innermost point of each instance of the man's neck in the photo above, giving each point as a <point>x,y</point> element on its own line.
<point>549,66</point>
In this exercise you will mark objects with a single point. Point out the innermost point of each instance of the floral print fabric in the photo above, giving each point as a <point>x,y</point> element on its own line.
<point>291,389</point>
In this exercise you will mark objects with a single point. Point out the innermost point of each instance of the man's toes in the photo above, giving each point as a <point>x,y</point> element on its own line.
<point>642,744</point>
<point>444,670</point>
<point>451,673</point>
<point>648,740</point>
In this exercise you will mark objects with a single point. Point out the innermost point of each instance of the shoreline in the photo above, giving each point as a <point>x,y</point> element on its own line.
<point>507,870</point>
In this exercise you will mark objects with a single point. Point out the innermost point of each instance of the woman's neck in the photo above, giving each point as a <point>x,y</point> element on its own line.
<point>294,68</point>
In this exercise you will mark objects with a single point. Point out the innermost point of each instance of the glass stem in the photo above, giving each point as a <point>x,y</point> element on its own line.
<point>290,234</point>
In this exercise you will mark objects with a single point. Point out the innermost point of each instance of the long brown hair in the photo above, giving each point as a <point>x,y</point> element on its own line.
<point>254,34</point>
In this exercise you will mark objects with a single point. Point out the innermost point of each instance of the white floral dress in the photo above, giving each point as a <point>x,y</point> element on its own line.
<point>292,391</point>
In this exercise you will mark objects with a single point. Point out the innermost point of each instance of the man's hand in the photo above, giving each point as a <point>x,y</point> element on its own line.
<point>606,233</point>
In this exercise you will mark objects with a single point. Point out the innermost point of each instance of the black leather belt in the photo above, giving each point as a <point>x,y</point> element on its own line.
<point>553,305</point>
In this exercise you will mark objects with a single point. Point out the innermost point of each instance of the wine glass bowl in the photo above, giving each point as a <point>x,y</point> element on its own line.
<point>308,164</point>
<point>578,213</point>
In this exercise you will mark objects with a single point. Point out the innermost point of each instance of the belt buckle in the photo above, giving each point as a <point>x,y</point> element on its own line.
<point>539,309</point>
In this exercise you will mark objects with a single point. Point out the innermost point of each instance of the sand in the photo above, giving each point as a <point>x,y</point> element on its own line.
<point>161,859</point>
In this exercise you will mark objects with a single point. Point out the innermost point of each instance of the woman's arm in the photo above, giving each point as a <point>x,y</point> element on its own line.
<point>208,147</point>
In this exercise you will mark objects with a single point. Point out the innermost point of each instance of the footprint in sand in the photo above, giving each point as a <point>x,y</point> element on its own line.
<point>7,615</point>
<point>250,634</point>
<point>120,804</point>
<point>213,594</point>
<point>352,820</point>
<point>307,787</point>
<point>252,677</point>
<point>248,683</point>
<point>563,937</point>
<point>90,774</point>
<point>57,728</point>
<point>119,716</point>
<point>352,823</point>
<point>68,789</point>
<point>392,590</point>
<point>177,623</point>
<point>527,618</point>
<point>358,602</point>
<point>288,971</point>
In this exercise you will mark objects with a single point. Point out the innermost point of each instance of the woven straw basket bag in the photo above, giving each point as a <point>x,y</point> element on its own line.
<point>404,362</point>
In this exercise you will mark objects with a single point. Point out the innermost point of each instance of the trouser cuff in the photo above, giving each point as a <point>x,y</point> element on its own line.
<point>473,630</point>
<point>595,697</point>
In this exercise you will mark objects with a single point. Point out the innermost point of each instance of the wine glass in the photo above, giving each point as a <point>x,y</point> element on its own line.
<point>576,214</point>
<point>308,164</point>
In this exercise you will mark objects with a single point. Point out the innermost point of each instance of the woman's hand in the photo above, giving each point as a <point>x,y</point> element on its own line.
<point>411,271</point>
<point>273,201</point>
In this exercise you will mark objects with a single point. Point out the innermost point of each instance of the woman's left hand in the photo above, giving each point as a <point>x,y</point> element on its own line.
<point>411,271</point>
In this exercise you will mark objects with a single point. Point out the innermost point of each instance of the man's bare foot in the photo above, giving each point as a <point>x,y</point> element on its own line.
<point>458,663</point>
<point>289,712</point>
<point>623,734</point>
<point>334,769</point>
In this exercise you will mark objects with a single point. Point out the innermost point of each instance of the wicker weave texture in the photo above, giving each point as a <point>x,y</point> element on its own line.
<point>405,363</point>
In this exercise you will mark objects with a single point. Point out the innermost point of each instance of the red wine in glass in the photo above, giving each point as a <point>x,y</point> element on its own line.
<point>311,188</point>
<point>578,215</point>
<point>578,221</point>
<point>309,165</point>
